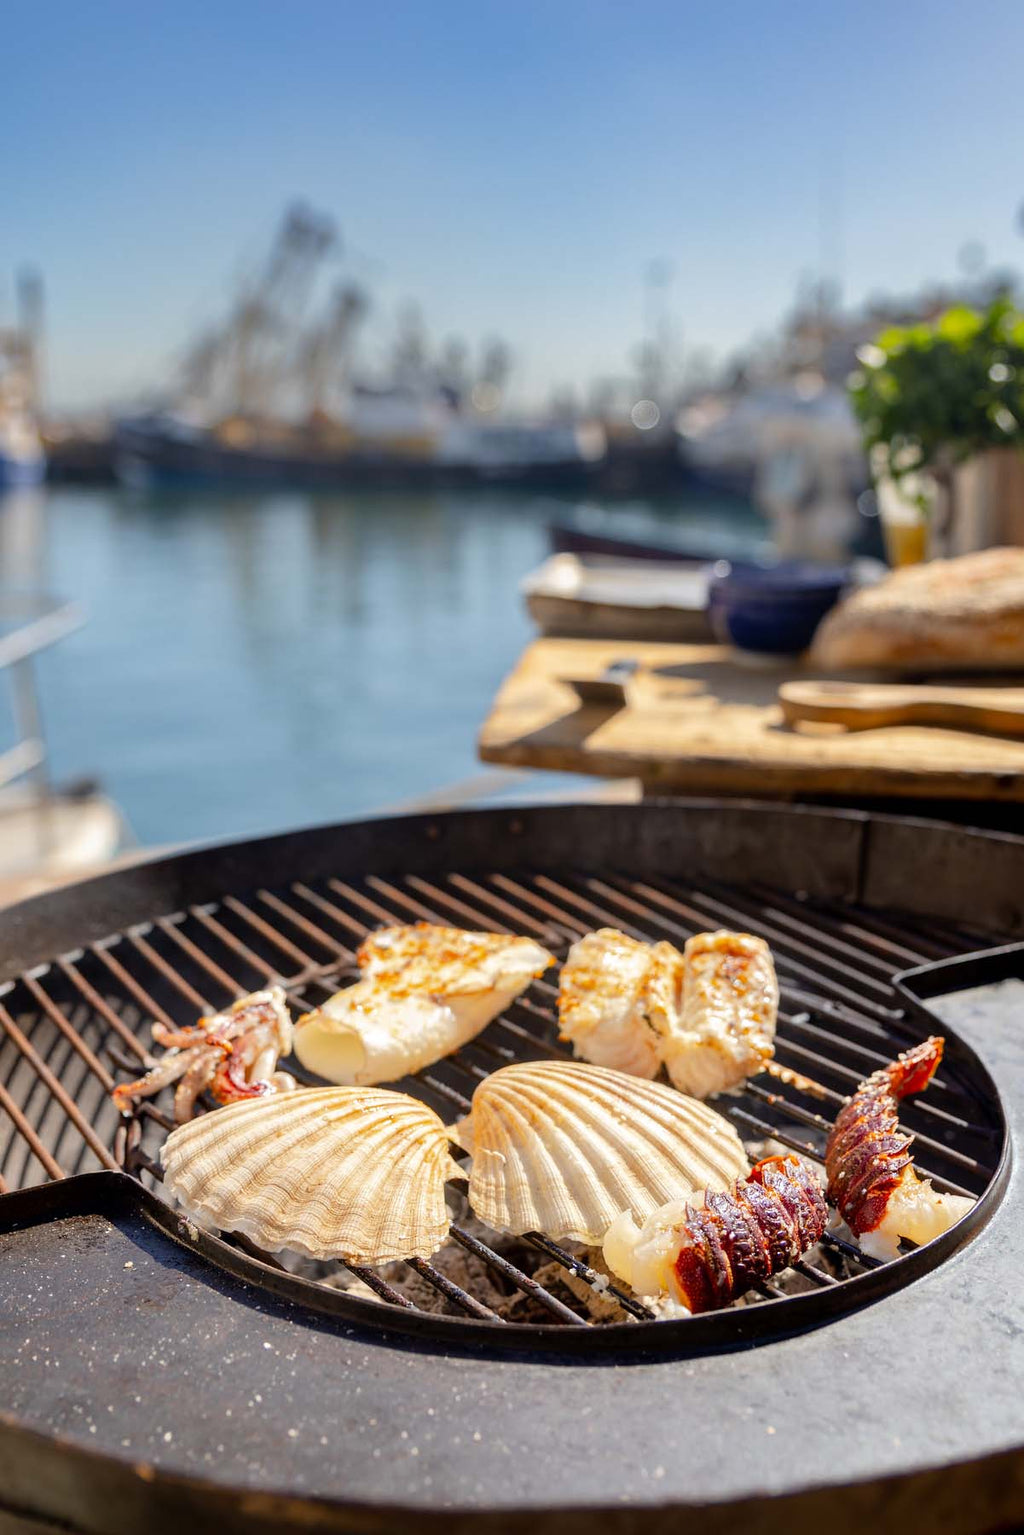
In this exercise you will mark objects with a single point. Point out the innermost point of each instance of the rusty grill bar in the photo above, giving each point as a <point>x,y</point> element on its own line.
<point>70,1029</point>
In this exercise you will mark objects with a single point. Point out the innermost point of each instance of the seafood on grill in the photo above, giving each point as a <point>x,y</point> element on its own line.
<point>725,1031</point>
<point>616,999</point>
<point>702,1257</point>
<point>233,1055</point>
<point>871,1177</point>
<point>562,1148</point>
<point>424,991</point>
<point>707,1015</point>
<point>356,1173</point>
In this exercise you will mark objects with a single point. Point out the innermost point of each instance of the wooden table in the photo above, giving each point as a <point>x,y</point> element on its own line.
<point>699,720</point>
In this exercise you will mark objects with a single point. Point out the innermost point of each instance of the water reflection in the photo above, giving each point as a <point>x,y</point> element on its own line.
<point>252,662</point>
<point>22,537</point>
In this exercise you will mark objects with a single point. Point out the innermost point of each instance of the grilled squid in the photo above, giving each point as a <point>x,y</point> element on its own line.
<point>871,1176</point>
<point>233,1055</point>
<point>704,1256</point>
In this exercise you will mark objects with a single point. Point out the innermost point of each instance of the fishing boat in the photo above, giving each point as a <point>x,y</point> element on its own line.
<point>269,396</point>
<point>166,448</point>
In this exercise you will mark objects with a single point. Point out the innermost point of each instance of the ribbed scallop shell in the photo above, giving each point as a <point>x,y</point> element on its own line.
<point>563,1148</point>
<point>333,1172</point>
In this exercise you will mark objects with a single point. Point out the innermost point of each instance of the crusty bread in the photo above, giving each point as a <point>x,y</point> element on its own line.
<point>962,613</point>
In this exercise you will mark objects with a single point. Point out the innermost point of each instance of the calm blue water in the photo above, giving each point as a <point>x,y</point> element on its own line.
<point>253,663</point>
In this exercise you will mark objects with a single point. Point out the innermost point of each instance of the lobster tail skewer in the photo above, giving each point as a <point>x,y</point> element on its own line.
<point>704,1256</point>
<point>871,1176</point>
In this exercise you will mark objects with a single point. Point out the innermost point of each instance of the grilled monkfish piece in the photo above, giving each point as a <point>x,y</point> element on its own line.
<point>617,998</point>
<point>725,1031</point>
<point>707,1015</point>
<point>424,991</point>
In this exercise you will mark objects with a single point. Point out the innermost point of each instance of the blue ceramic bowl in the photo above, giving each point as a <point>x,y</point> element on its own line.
<point>774,609</point>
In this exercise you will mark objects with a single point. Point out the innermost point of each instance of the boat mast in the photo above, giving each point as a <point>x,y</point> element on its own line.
<point>239,367</point>
<point>325,351</point>
<point>268,313</point>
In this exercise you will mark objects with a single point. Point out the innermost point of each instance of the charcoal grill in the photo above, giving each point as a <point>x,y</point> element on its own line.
<point>154,1369</point>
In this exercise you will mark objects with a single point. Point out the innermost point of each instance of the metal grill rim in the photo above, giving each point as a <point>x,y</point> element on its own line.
<point>838,1021</point>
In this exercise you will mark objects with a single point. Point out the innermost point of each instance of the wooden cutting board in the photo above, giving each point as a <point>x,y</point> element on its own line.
<point>699,720</point>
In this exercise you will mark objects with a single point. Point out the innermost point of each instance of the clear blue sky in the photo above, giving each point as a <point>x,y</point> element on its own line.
<point>512,166</point>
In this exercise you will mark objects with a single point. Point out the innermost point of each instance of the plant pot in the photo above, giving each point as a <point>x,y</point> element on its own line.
<point>988,498</point>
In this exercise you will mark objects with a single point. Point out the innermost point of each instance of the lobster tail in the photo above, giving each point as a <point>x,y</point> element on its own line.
<point>913,1070</point>
<point>867,1155</point>
<point>739,1239</point>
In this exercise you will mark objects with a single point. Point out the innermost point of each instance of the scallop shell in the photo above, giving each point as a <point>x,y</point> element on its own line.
<point>563,1148</point>
<point>332,1172</point>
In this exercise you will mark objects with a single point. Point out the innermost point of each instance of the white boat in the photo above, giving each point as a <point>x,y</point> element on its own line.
<point>594,597</point>
<point>48,834</point>
<point>22,461</point>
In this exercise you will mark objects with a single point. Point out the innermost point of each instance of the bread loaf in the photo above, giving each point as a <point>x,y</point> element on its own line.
<point>947,614</point>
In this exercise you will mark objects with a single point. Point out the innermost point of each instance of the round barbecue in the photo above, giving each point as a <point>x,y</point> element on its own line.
<point>152,1368</point>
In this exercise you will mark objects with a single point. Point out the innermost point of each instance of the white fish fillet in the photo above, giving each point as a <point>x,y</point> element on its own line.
<point>726,1031</point>
<point>424,991</point>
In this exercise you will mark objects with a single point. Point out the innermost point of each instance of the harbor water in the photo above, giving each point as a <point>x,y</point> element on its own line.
<point>254,663</point>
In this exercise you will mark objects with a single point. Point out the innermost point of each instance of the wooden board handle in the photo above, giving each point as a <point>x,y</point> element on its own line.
<point>868,706</point>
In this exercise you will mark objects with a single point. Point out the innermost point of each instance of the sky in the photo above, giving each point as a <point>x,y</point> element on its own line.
<point>512,168</point>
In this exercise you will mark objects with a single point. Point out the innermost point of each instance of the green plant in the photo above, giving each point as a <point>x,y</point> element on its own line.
<point>929,396</point>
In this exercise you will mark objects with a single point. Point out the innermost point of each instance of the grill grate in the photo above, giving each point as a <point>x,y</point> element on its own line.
<point>69,1028</point>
